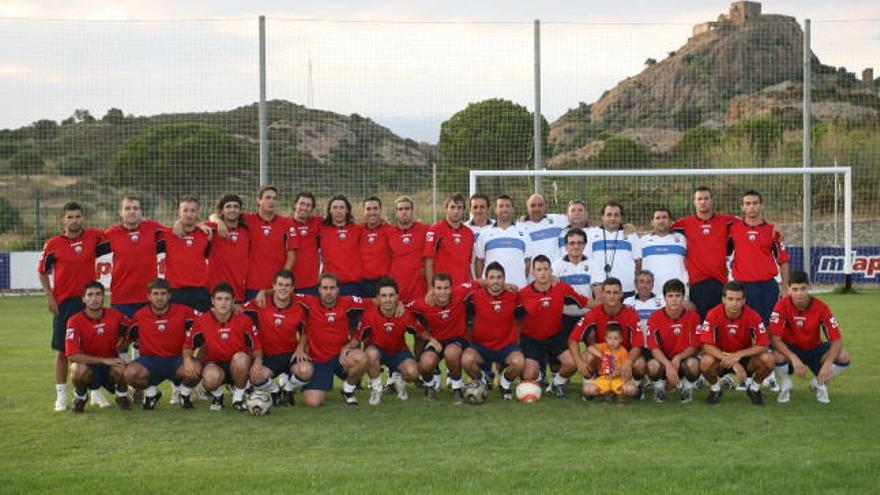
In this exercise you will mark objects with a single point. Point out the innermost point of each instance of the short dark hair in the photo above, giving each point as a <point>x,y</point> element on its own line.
<point>328,276</point>
<point>503,197</point>
<point>71,206</point>
<point>188,198</point>
<point>264,189</point>
<point>798,277</point>
<point>674,285</point>
<point>387,282</point>
<point>613,327</point>
<point>645,272</point>
<point>453,198</point>
<point>373,198</point>
<point>222,287</point>
<point>612,204</point>
<point>94,284</point>
<point>663,208</point>
<point>575,232</point>
<point>733,286</point>
<point>307,195</point>
<point>441,277</point>
<point>495,266</point>
<point>478,196</point>
<point>158,283</point>
<point>612,281</point>
<point>703,189</point>
<point>540,259</point>
<point>752,192</point>
<point>283,273</point>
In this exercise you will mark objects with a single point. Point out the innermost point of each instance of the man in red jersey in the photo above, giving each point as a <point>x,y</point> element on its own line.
<point>706,233</point>
<point>93,340</point>
<point>673,338</point>
<point>230,246</point>
<point>374,250</point>
<point>591,328</point>
<point>543,337</point>
<point>328,331</point>
<point>449,244</point>
<point>280,325</point>
<point>406,239</point>
<point>340,241</point>
<point>796,327</point>
<point>70,258</point>
<point>186,257</point>
<point>229,348</point>
<point>383,333</point>
<point>758,256</point>
<point>494,335</point>
<point>160,329</point>
<point>734,338</point>
<point>306,226</point>
<point>271,246</point>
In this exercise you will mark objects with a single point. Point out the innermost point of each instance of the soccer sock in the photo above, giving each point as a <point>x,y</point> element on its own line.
<point>505,382</point>
<point>61,390</point>
<point>376,383</point>
<point>150,391</point>
<point>123,356</point>
<point>348,388</point>
<point>121,391</point>
<point>559,379</point>
<point>217,392</point>
<point>837,369</point>
<point>715,387</point>
<point>80,393</point>
<point>185,390</point>
<point>782,375</point>
<point>686,384</point>
<point>295,383</point>
<point>267,386</point>
<point>754,386</point>
<point>659,384</point>
<point>237,394</point>
<point>456,383</point>
<point>394,378</point>
<point>283,378</point>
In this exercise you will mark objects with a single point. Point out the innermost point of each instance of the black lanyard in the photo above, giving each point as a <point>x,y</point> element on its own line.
<point>609,266</point>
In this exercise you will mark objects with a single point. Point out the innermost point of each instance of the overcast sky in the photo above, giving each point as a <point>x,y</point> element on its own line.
<point>408,65</point>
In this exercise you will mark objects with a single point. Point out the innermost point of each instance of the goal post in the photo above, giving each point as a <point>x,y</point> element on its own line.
<point>654,187</point>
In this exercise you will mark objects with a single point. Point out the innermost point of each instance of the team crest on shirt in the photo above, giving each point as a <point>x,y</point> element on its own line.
<point>224,334</point>
<point>799,322</point>
<point>161,327</point>
<point>545,303</point>
<point>444,315</point>
<point>78,249</point>
<point>342,235</point>
<point>267,231</point>
<point>331,317</point>
<point>405,238</point>
<point>303,232</point>
<point>389,327</point>
<point>277,322</point>
<point>497,307</point>
<point>189,242</point>
<point>134,237</point>
<point>752,235</point>
<point>99,329</point>
<point>233,236</point>
<point>371,238</point>
<point>706,230</point>
<point>731,329</point>
<point>70,334</point>
<point>456,239</point>
<point>676,329</point>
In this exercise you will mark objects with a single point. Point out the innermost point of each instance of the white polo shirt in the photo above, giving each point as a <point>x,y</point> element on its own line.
<point>645,309</point>
<point>577,275</point>
<point>510,247</point>
<point>616,250</point>
<point>545,233</point>
<point>664,257</point>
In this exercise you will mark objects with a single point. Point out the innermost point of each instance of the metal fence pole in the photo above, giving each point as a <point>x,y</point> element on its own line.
<point>433,192</point>
<point>539,160</point>
<point>807,157</point>
<point>264,131</point>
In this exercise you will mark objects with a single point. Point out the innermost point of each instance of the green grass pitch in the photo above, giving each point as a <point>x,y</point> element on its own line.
<point>419,447</point>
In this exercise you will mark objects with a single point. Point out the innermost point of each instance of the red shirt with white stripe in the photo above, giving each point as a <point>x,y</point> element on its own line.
<point>706,257</point>
<point>222,340</point>
<point>452,249</point>
<point>757,251</point>
<point>673,335</point>
<point>71,262</point>
<point>804,329</point>
<point>735,335</point>
<point>387,333</point>
<point>597,321</point>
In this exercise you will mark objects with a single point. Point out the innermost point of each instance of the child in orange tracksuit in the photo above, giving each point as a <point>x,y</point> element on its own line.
<point>612,357</point>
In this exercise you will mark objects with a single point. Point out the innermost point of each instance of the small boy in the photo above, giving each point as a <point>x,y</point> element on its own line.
<point>612,356</point>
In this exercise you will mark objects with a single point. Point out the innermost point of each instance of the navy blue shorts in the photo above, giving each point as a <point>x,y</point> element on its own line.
<point>369,287</point>
<point>278,363</point>
<point>161,368</point>
<point>352,289</point>
<point>459,341</point>
<point>812,358</point>
<point>128,309</point>
<point>762,297</point>
<point>101,377</point>
<point>705,295</point>
<point>196,298</point>
<point>544,349</point>
<point>309,291</point>
<point>568,323</point>
<point>224,365</point>
<point>393,359</point>
<point>250,294</point>
<point>497,356</point>
<point>66,308</point>
<point>322,378</point>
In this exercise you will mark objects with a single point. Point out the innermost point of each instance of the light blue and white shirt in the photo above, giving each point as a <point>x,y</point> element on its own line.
<point>545,233</point>
<point>645,308</point>
<point>664,257</point>
<point>577,275</point>
<point>616,250</point>
<point>510,247</point>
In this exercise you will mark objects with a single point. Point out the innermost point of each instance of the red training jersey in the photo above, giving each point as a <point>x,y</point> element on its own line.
<point>308,261</point>
<point>452,249</point>
<point>161,335</point>
<point>408,262</point>
<point>134,260</point>
<point>707,258</point>
<point>733,335</point>
<point>449,321</point>
<point>186,258</point>
<point>388,334</point>
<point>340,250</point>
<point>673,335</point>
<point>71,262</point>
<point>222,340</point>
<point>804,329</point>
<point>329,329</point>
<point>228,260</point>
<point>99,338</point>
<point>375,253</point>
<point>757,251</point>
<point>544,308</point>
<point>494,318</point>
<point>270,240</point>
<point>597,319</point>
<point>278,328</point>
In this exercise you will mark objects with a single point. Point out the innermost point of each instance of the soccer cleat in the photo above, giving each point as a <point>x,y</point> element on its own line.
<point>186,402</point>
<point>784,393</point>
<point>559,391</point>
<point>743,386</point>
<point>756,396</point>
<point>506,393</point>
<point>659,394</point>
<point>123,402</point>
<point>288,398</point>
<point>98,399</point>
<point>276,398</point>
<point>79,405</point>
<point>489,378</point>
<point>201,393</point>
<point>60,404</point>
<point>375,397</point>
<point>239,405</point>
<point>687,395</point>
<point>820,390</point>
<point>640,393</point>
<point>726,382</point>
<point>714,397</point>
<point>175,396</point>
<point>138,396</point>
<point>217,403</point>
<point>150,402</point>
<point>771,384</point>
<point>350,398</point>
<point>457,396</point>
<point>430,393</point>
<point>400,387</point>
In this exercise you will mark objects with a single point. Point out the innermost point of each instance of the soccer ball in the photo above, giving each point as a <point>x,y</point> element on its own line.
<point>259,403</point>
<point>528,391</point>
<point>475,392</point>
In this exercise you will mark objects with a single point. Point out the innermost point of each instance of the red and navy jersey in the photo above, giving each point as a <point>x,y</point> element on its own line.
<point>98,338</point>
<point>446,322</point>
<point>733,335</point>
<point>340,250</point>
<point>757,251</point>
<point>228,260</point>
<point>71,262</point>
<point>161,335</point>
<point>388,334</point>
<point>186,258</point>
<point>329,329</point>
<point>269,243</point>
<point>375,253</point>
<point>597,320</point>
<point>673,335</point>
<point>308,261</point>
<point>408,262</point>
<point>544,308</point>
<point>134,260</point>
<point>278,327</point>
<point>222,340</point>
<point>804,329</point>
<point>494,318</point>
<point>452,250</point>
<point>707,239</point>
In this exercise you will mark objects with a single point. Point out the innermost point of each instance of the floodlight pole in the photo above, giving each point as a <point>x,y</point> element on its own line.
<point>807,155</point>
<point>264,138</point>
